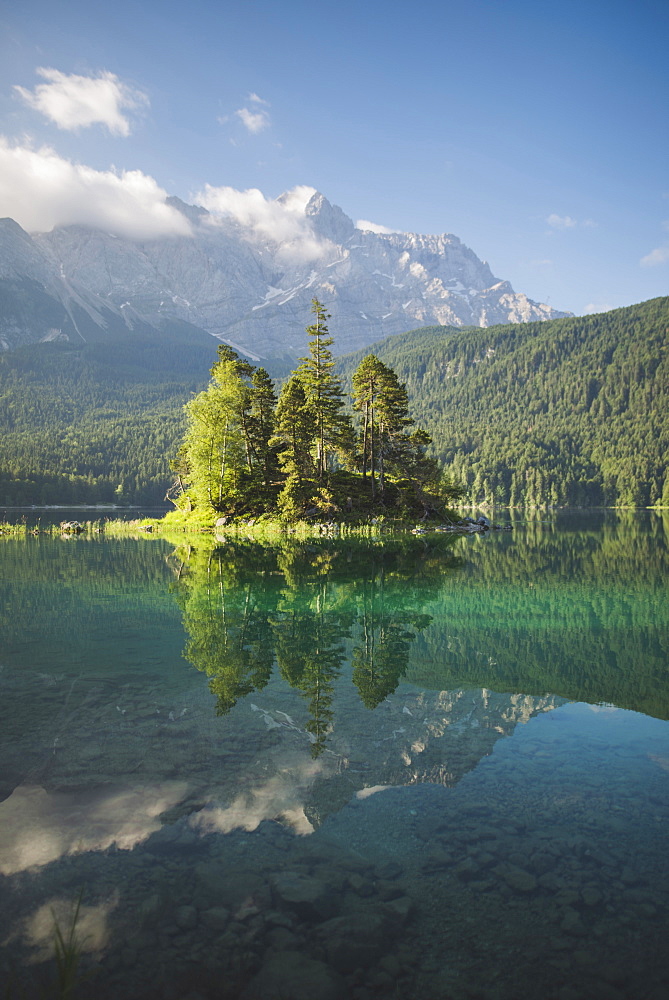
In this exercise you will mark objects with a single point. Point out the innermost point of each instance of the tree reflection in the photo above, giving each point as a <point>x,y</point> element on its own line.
<point>574,605</point>
<point>230,638</point>
<point>247,605</point>
<point>381,656</point>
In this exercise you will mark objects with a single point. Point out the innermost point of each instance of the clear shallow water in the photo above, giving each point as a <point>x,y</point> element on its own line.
<point>44,516</point>
<point>437,768</point>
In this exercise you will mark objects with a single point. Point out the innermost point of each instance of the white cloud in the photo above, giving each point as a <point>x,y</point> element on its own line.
<point>258,100</point>
<point>40,190</point>
<point>93,930</point>
<point>75,102</point>
<point>374,227</point>
<point>281,220</point>
<point>38,827</point>
<point>597,307</point>
<point>658,256</point>
<point>254,121</point>
<point>280,797</point>
<point>561,221</point>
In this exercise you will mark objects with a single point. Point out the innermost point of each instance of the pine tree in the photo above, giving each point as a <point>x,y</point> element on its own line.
<point>260,424</point>
<point>324,394</point>
<point>383,401</point>
<point>244,371</point>
<point>294,429</point>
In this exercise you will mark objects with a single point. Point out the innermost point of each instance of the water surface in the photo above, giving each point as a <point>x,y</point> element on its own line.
<point>428,767</point>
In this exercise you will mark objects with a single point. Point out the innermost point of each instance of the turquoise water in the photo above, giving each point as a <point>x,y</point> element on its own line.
<point>432,767</point>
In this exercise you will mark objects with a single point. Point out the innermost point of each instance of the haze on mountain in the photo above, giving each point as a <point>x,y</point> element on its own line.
<point>244,269</point>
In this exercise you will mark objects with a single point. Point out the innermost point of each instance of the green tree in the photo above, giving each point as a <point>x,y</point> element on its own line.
<point>244,371</point>
<point>384,404</point>
<point>260,424</point>
<point>214,448</point>
<point>333,432</point>
<point>294,429</point>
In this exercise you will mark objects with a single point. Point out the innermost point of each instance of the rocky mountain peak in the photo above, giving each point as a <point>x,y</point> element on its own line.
<point>194,213</point>
<point>250,281</point>
<point>328,220</point>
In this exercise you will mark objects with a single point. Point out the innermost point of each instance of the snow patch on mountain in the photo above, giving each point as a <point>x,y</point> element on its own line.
<point>250,266</point>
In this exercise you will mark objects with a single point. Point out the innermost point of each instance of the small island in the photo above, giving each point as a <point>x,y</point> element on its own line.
<point>251,456</point>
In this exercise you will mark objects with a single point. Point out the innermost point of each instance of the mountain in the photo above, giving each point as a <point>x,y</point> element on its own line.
<point>570,412</point>
<point>41,303</point>
<point>248,280</point>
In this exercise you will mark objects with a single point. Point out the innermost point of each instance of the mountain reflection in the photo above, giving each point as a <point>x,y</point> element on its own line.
<point>310,609</point>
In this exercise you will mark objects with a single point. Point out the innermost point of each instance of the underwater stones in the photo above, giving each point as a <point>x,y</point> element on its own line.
<point>436,859</point>
<point>516,878</point>
<point>360,885</point>
<point>466,870</point>
<point>591,896</point>
<point>306,896</point>
<point>399,909</point>
<point>219,886</point>
<point>282,939</point>
<point>571,922</point>
<point>216,918</point>
<point>629,877</point>
<point>382,982</point>
<point>388,870</point>
<point>387,890</point>
<point>542,862</point>
<point>291,975</point>
<point>356,940</point>
<point>567,897</point>
<point>186,918</point>
<point>276,918</point>
<point>391,965</point>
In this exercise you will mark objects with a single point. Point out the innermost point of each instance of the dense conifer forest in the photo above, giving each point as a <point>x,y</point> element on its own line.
<point>98,422</point>
<point>570,411</point>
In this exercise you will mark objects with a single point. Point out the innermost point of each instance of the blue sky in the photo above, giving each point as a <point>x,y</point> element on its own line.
<point>536,132</point>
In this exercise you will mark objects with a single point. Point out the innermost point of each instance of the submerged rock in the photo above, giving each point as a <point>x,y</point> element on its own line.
<point>292,976</point>
<point>516,878</point>
<point>308,897</point>
<point>359,940</point>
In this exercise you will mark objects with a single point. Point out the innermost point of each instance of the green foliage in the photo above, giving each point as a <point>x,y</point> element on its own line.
<point>260,425</point>
<point>384,404</point>
<point>572,612</point>
<point>295,447</point>
<point>571,411</point>
<point>295,427</point>
<point>324,394</point>
<point>247,605</point>
<point>97,422</point>
<point>567,412</point>
<point>215,440</point>
<point>292,499</point>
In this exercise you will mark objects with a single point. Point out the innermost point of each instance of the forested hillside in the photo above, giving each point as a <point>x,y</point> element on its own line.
<point>98,422</point>
<point>572,411</point>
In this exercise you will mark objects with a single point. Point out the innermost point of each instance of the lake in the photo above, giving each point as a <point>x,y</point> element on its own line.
<point>429,767</point>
